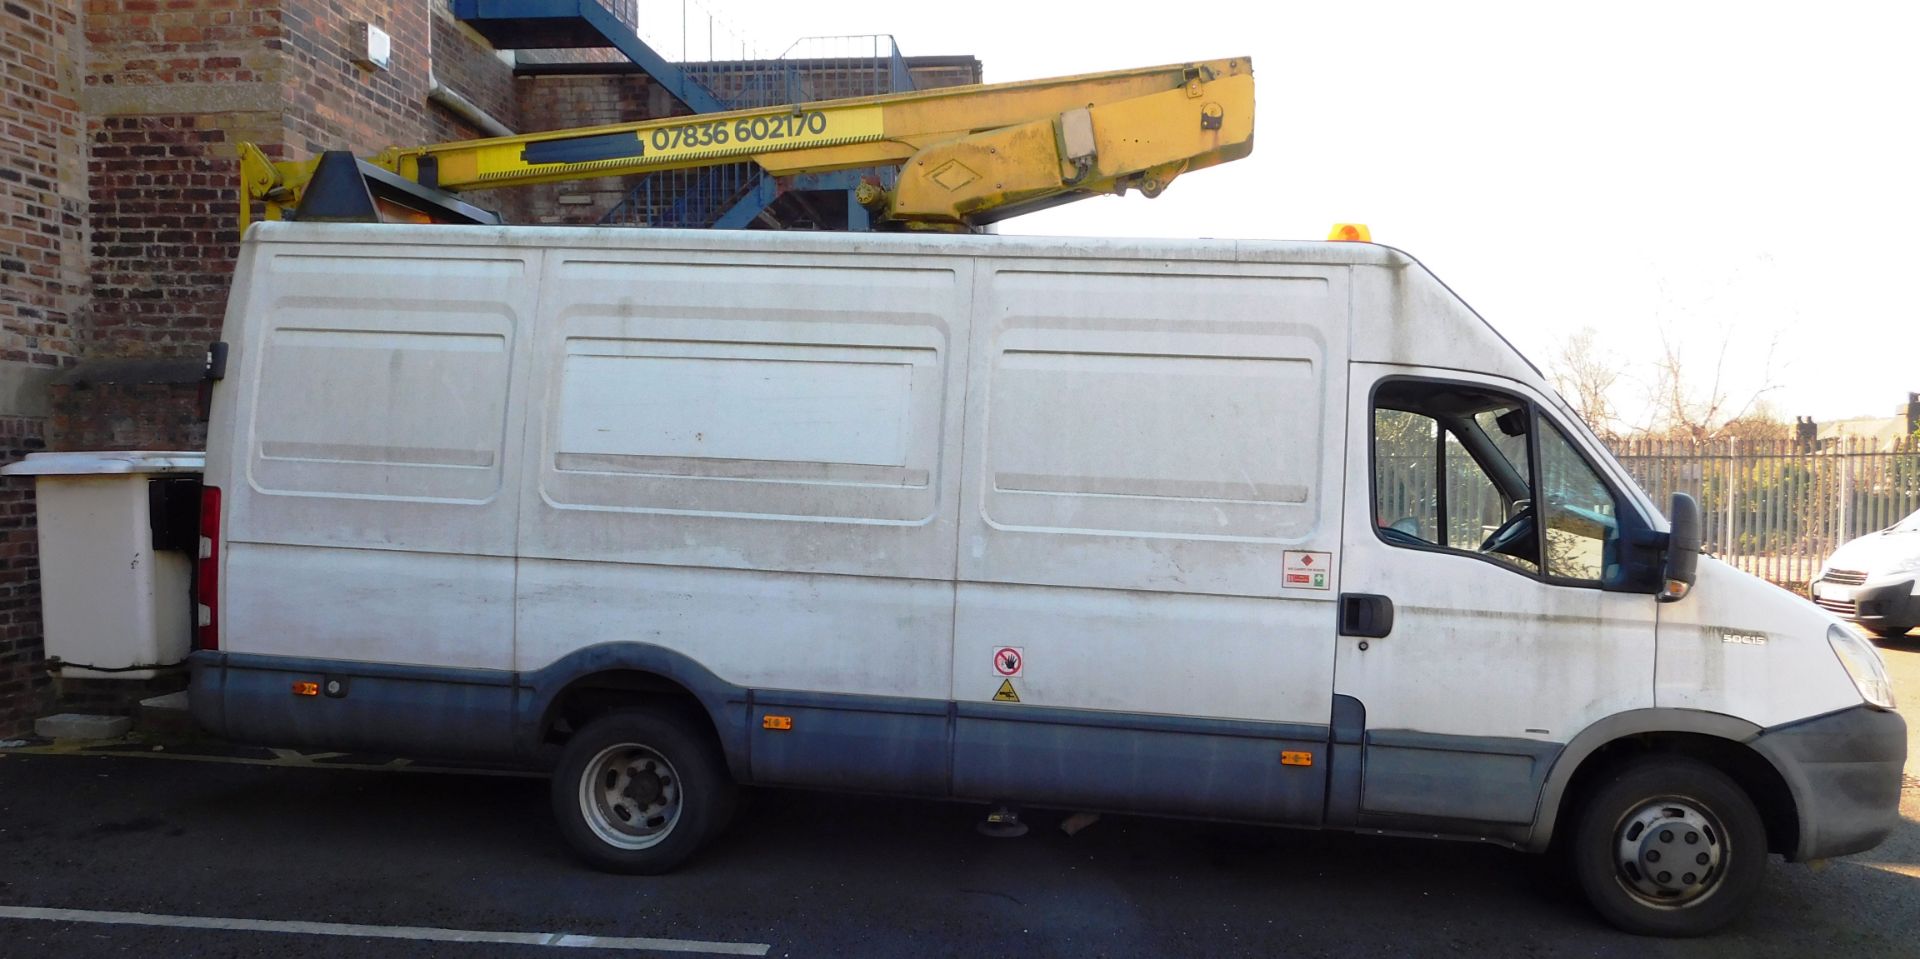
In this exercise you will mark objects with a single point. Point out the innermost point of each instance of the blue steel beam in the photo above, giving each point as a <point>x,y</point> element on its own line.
<point>556,22</point>
<point>742,213</point>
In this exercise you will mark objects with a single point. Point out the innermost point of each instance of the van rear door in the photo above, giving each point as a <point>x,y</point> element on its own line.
<point>368,467</point>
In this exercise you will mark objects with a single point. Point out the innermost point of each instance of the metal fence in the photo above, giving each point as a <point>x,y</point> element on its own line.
<point>1777,508</point>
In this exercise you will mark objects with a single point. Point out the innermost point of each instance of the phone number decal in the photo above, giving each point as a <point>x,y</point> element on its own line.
<point>680,143</point>
<point>812,123</point>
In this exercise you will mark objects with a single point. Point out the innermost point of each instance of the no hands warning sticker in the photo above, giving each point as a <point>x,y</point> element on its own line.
<point>1009,660</point>
<point>1304,569</point>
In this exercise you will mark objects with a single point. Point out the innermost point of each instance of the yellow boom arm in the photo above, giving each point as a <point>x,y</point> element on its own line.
<point>967,155</point>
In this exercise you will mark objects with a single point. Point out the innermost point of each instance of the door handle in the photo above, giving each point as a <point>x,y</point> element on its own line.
<point>1365,614</point>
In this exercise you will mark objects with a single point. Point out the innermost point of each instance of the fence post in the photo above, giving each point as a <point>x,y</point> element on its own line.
<point>1733,454</point>
<point>1843,534</point>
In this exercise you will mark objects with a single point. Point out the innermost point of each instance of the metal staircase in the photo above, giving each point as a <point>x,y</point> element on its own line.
<point>576,25</point>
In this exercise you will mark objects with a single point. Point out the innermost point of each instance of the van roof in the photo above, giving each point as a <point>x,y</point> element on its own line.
<point>577,237</point>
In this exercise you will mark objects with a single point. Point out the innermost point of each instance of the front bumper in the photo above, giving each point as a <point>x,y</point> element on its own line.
<point>1888,602</point>
<point>1844,771</point>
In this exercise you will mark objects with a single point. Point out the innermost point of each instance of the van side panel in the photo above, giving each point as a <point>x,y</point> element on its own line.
<point>370,498</point>
<point>1145,441</point>
<point>750,459</point>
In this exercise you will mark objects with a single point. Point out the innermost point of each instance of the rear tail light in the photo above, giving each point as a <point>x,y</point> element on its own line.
<point>207,573</point>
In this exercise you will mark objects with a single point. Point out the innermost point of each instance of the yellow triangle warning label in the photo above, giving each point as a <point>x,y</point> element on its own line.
<point>1006,693</point>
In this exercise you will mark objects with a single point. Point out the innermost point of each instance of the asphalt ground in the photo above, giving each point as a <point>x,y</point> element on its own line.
<point>271,843</point>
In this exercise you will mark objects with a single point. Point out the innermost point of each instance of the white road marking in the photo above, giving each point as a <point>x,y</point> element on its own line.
<point>555,939</point>
<point>1907,869</point>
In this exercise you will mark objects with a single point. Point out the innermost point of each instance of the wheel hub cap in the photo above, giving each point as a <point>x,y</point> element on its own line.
<point>630,796</point>
<point>1670,852</point>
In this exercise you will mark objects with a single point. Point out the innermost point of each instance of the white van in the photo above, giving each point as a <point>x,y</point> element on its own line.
<point>1271,532</point>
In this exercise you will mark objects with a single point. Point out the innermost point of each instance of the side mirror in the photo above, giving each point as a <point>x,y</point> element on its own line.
<point>1683,548</point>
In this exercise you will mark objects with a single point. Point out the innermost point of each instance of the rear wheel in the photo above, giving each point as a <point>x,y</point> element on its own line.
<point>639,792</point>
<point>1889,632</point>
<point>1669,846</point>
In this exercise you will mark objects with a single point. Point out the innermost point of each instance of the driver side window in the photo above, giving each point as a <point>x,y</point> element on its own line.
<point>1452,471</point>
<point>1431,490</point>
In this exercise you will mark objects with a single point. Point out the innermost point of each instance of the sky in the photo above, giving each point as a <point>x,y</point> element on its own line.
<point>1736,178</point>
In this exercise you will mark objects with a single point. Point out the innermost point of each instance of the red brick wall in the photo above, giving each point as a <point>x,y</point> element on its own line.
<point>164,241</point>
<point>42,216</point>
<point>463,62</point>
<point>334,103</point>
<point>147,42</point>
<point>24,686</point>
<point>42,284</point>
<point>127,406</point>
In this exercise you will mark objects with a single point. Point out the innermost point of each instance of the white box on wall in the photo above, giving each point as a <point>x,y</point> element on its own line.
<point>373,48</point>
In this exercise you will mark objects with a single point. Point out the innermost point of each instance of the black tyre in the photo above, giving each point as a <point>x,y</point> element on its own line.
<point>639,792</point>
<point>1889,632</point>
<point>1669,846</point>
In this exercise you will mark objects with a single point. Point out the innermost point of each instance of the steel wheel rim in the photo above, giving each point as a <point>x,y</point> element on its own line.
<point>630,796</point>
<point>1670,853</point>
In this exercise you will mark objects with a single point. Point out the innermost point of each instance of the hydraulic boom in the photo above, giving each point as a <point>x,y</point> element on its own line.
<point>967,155</point>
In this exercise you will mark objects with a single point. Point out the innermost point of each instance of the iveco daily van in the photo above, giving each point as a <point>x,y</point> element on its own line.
<point>1269,532</point>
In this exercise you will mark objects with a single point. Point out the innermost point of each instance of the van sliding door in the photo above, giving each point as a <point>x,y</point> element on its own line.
<point>1150,508</point>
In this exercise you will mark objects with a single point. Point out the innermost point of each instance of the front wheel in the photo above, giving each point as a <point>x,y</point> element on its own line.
<point>639,792</point>
<point>1669,846</point>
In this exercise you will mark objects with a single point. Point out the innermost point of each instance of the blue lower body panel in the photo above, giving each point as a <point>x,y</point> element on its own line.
<point>465,714</point>
<point>1082,759</point>
<point>862,744</point>
<point>1128,763</point>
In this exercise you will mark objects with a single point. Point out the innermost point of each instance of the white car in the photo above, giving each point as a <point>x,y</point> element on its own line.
<point>1875,580</point>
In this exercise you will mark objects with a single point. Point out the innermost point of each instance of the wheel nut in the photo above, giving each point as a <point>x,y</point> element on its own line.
<point>1692,838</point>
<point>1665,877</point>
<point>1701,859</point>
<point>1688,879</point>
<point>1653,855</point>
<point>1666,835</point>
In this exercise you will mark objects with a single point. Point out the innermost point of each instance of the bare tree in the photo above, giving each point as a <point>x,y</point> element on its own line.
<point>1586,376</point>
<point>1692,405</point>
<point>1760,422</point>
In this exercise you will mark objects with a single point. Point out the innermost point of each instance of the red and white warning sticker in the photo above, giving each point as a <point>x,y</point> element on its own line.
<point>1009,661</point>
<point>1305,569</point>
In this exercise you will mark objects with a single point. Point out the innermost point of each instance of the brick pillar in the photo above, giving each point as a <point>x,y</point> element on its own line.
<point>42,281</point>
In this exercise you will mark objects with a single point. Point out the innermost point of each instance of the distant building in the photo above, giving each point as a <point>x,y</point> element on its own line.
<point>1874,432</point>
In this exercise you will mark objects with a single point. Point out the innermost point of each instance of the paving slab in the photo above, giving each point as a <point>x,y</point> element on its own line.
<point>81,726</point>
